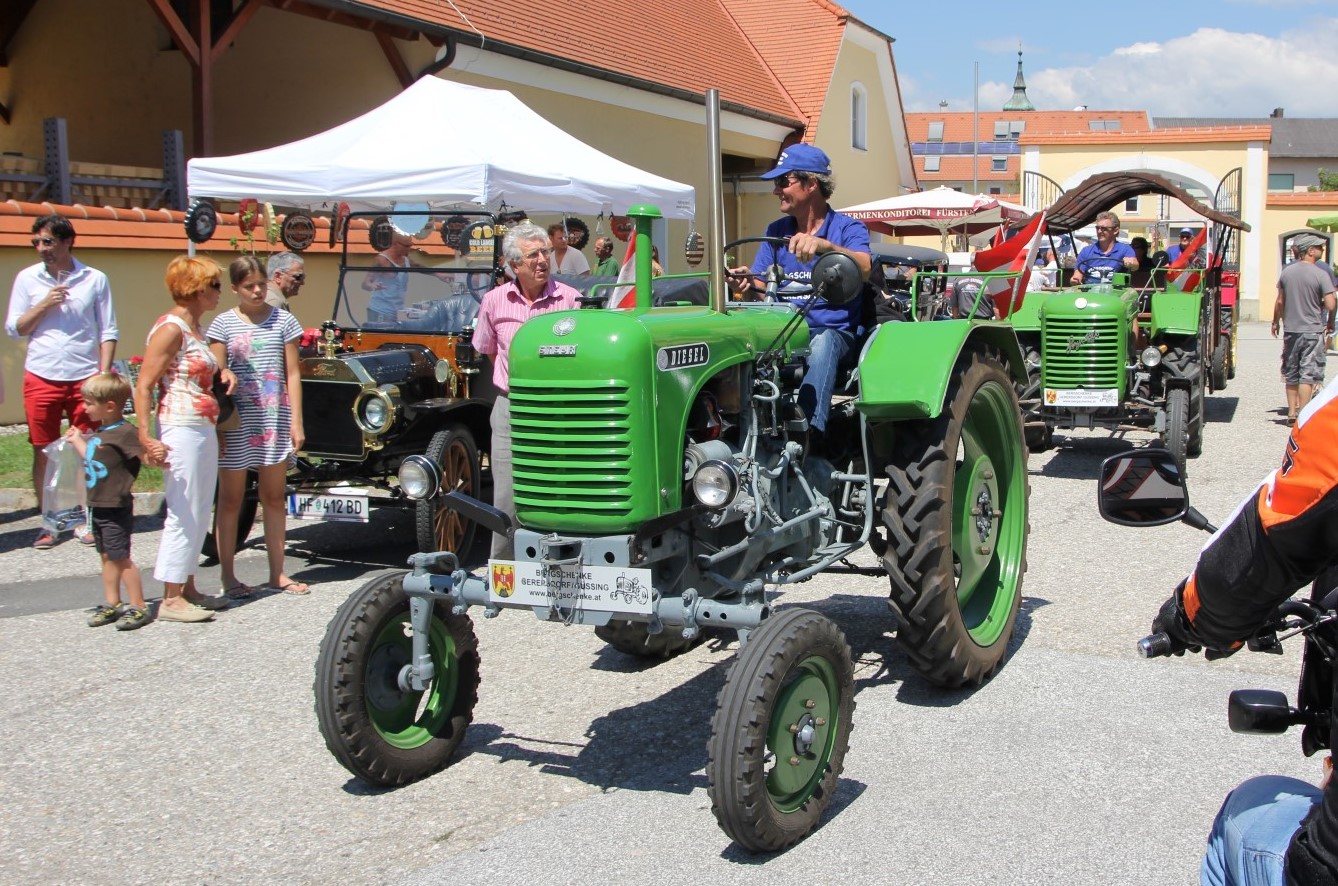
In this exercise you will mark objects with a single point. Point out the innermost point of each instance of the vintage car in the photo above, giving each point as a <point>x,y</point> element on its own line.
<point>393,373</point>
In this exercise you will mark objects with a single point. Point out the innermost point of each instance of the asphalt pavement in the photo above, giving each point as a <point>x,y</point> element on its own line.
<point>190,753</point>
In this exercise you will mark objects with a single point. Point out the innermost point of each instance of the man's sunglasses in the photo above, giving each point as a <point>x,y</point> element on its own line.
<point>44,241</point>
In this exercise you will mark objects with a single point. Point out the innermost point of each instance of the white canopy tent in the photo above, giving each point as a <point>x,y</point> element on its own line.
<point>443,144</point>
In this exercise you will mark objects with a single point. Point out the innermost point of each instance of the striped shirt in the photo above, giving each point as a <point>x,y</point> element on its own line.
<point>504,310</point>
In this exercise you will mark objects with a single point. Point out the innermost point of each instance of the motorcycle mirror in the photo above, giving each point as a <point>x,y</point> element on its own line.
<point>1260,711</point>
<point>1142,488</point>
<point>836,278</point>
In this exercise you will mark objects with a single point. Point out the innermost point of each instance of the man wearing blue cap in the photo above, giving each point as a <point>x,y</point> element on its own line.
<point>802,180</point>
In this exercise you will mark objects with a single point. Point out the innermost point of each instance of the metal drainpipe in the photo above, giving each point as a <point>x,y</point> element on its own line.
<point>442,63</point>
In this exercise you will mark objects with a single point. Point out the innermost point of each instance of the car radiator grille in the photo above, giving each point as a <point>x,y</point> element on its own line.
<point>1082,353</point>
<point>327,418</point>
<point>572,448</point>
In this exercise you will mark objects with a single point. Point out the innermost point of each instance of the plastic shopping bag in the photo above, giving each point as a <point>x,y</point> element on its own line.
<point>63,490</point>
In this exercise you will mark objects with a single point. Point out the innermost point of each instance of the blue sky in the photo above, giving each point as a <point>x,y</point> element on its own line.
<point>1228,58</point>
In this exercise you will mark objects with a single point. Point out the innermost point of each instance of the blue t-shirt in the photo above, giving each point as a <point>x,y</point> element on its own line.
<point>840,230</point>
<point>1092,261</point>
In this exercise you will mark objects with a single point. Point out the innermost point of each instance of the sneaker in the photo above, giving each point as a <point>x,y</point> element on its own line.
<point>85,535</point>
<point>132,617</point>
<point>104,615</point>
<point>46,540</point>
<point>187,613</point>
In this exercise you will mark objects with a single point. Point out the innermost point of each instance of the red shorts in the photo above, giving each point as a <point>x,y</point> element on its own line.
<point>46,403</point>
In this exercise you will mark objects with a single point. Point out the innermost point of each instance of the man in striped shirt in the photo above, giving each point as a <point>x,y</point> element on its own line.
<point>531,291</point>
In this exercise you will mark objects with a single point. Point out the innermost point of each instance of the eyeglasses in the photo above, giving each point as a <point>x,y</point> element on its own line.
<point>44,241</point>
<point>537,254</point>
<point>1185,236</point>
<point>300,278</point>
<point>785,181</point>
<point>1106,228</point>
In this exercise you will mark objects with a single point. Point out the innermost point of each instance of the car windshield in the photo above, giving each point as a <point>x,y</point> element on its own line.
<point>423,272</point>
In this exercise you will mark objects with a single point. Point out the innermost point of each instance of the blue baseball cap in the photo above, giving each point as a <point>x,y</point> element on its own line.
<point>801,158</point>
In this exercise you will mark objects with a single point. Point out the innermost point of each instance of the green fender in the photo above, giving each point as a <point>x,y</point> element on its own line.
<point>1175,313</point>
<point>905,369</point>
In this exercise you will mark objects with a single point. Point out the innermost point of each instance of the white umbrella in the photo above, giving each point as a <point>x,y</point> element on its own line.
<point>937,211</point>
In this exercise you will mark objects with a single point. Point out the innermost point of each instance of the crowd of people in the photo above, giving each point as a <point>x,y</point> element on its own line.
<point>64,309</point>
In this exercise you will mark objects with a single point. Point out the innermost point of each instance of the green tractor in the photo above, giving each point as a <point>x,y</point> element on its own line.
<point>666,485</point>
<point>1133,351</point>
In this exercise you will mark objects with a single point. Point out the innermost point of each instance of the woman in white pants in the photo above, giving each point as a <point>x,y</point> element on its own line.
<point>178,360</point>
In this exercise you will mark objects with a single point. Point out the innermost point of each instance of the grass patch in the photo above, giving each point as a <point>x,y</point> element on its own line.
<point>16,466</point>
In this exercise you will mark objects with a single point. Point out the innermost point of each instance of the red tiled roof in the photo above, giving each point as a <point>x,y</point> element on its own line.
<point>690,45</point>
<point>959,126</point>
<point>1306,198</point>
<point>1159,136</point>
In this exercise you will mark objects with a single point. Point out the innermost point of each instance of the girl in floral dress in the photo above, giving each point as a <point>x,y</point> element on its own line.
<point>258,342</point>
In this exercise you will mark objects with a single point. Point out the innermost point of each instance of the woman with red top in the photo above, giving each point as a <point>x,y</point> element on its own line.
<point>177,359</point>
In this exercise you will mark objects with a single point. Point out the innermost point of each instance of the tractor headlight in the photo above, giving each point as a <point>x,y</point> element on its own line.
<point>715,484</point>
<point>1151,357</point>
<point>419,477</point>
<point>375,410</point>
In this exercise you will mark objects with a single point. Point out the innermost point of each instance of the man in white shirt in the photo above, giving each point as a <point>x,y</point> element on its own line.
<point>567,259</point>
<point>64,308</point>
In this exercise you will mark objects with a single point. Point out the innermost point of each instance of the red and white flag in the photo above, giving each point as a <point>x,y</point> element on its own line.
<point>625,296</point>
<point>1016,256</point>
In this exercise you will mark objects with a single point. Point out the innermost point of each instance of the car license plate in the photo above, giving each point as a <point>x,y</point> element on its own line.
<point>345,507</point>
<point>1082,397</point>
<point>594,588</point>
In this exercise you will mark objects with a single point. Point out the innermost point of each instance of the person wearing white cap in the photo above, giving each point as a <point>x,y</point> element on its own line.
<point>802,180</point>
<point>1304,309</point>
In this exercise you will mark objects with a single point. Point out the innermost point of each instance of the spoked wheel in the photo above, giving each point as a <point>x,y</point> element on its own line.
<point>377,730</point>
<point>246,518</point>
<point>635,638</point>
<point>781,730</point>
<point>440,528</point>
<point>1176,436</point>
<point>956,517</point>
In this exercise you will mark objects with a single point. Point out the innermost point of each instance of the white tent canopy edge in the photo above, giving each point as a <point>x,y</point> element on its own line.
<point>444,144</point>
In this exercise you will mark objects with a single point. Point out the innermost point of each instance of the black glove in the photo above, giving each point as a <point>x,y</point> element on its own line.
<point>1172,621</point>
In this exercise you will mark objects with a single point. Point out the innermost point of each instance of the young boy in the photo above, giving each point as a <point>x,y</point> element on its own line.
<point>111,464</point>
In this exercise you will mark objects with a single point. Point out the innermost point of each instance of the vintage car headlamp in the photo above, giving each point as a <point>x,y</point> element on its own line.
<point>419,477</point>
<point>1150,357</point>
<point>375,409</point>
<point>715,484</point>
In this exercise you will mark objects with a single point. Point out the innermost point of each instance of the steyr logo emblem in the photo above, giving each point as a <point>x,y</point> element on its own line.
<point>564,326</point>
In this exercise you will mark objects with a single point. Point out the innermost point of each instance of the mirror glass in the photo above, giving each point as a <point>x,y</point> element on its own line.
<point>836,278</point>
<point>1142,488</point>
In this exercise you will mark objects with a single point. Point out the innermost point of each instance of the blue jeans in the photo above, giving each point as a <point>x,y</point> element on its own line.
<point>1253,829</point>
<point>828,346</point>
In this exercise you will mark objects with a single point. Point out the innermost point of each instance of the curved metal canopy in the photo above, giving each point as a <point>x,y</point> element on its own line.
<point>1079,206</point>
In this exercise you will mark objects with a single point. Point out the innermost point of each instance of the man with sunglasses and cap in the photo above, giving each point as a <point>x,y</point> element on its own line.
<point>1186,235</point>
<point>802,180</point>
<point>287,273</point>
<point>64,308</point>
<point>1106,256</point>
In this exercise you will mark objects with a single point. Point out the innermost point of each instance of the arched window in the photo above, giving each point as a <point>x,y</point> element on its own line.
<point>859,117</point>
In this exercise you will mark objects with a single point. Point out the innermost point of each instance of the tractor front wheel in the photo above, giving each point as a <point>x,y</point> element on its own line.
<point>781,730</point>
<point>375,728</point>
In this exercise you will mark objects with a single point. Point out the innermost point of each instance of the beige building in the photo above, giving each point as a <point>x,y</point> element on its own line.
<point>628,81</point>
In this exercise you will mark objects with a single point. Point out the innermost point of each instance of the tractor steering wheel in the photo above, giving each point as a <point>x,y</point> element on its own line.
<point>775,273</point>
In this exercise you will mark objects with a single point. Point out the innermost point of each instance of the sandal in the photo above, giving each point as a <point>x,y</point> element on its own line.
<point>296,588</point>
<point>239,591</point>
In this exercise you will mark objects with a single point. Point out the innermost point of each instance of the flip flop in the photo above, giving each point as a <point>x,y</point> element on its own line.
<point>296,588</point>
<point>239,591</point>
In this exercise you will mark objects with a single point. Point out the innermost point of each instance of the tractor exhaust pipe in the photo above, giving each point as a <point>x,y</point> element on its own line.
<point>715,190</point>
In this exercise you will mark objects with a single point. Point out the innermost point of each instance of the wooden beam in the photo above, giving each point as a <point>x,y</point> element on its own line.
<point>11,19</point>
<point>396,60</point>
<point>180,34</point>
<point>202,82</point>
<point>239,20</point>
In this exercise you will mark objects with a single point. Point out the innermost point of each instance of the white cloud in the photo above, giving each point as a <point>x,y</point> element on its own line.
<point>1210,73</point>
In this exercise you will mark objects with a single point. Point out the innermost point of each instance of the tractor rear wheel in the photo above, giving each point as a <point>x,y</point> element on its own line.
<point>956,518</point>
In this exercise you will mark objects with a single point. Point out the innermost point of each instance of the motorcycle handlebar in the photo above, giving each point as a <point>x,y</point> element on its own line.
<point>1157,646</point>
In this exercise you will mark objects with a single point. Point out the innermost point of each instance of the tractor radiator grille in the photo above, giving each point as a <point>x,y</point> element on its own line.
<point>1079,352</point>
<point>572,448</point>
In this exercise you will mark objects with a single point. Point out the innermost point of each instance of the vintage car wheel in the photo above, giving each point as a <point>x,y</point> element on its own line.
<point>1176,437</point>
<point>439,527</point>
<point>781,731</point>
<point>375,729</point>
<point>246,518</point>
<point>634,638</point>
<point>956,518</point>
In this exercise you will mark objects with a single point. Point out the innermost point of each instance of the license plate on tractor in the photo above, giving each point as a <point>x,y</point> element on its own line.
<point>346,506</point>
<point>1082,397</point>
<point>595,588</point>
